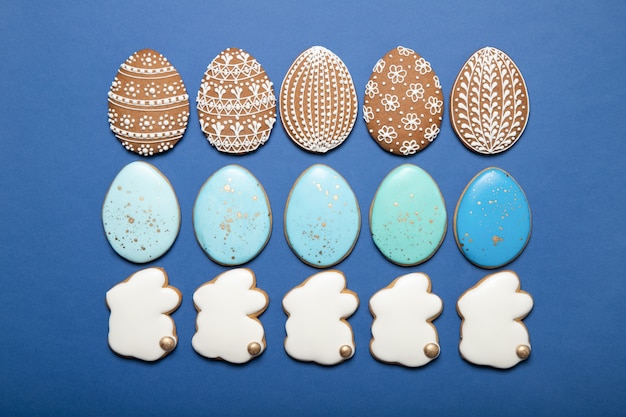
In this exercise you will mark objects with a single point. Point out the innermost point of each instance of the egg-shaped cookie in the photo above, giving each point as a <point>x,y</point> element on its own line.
<point>236,103</point>
<point>403,104</point>
<point>148,104</point>
<point>318,103</point>
<point>489,102</point>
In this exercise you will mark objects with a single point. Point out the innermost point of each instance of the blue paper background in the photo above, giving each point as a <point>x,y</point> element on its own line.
<point>58,158</point>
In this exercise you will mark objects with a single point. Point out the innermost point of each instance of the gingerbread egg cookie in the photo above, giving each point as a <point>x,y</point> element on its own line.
<point>403,104</point>
<point>489,102</point>
<point>148,104</point>
<point>232,217</point>
<point>236,103</point>
<point>140,213</point>
<point>322,217</point>
<point>408,217</point>
<point>227,326</point>
<point>492,220</point>
<point>139,325</point>
<point>317,329</point>
<point>492,332</point>
<point>318,102</point>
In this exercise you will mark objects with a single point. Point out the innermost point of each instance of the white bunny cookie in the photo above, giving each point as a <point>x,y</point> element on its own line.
<point>317,329</point>
<point>227,326</point>
<point>402,330</point>
<point>492,332</point>
<point>139,324</point>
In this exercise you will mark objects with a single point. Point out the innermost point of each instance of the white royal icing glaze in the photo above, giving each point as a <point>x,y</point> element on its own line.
<point>139,317</point>
<point>402,326</point>
<point>492,330</point>
<point>227,322</point>
<point>317,330</point>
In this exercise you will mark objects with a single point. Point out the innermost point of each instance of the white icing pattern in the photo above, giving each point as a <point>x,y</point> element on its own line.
<point>489,102</point>
<point>236,103</point>
<point>492,332</point>
<point>402,330</point>
<point>318,105</point>
<point>148,104</point>
<point>139,324</point>
<point>227,324</point>
<point>317,330</point>
<point>403,102</point>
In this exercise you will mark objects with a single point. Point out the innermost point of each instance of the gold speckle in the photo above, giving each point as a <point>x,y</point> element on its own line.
<point>395,203</point>
<point>330,205</point>
<point>255,198</point>
<point>323,224</point>
<point>431,350</point>
<point>345,351</point>
<point>523,352</point>
<point>140,198</point>
<point>131,220</point>
<point>167,343</point>
<point>227,187</point>
<point>254,348</point>
<point>119,187</point>
<point>496,240</point>
<point>335,197</point>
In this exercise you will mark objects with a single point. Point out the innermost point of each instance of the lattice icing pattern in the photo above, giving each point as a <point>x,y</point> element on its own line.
<point>236,103</point>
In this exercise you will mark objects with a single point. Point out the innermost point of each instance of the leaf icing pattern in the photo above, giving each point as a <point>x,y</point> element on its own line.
<point>489,103</point>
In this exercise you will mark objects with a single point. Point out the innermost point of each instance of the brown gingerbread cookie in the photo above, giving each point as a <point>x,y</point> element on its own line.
<point>489,102</point>
<point>236,102</point>
<point>318,103</point>
<point>148,104</point>
<point>403,104</point>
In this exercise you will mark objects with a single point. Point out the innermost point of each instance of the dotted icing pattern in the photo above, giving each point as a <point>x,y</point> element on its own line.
<point>148,104</point>
<point>489,102</point>
<point>236,103</point>
<point>318,104</point>
<point>403,104</point>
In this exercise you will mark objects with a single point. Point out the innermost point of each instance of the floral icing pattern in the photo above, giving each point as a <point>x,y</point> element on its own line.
<point>489,102</point>
<point>236,103</point>
<point>403,103</point>
<point>148,104</point>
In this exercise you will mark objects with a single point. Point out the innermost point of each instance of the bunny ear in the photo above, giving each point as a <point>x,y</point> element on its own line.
<point>521,304</point>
